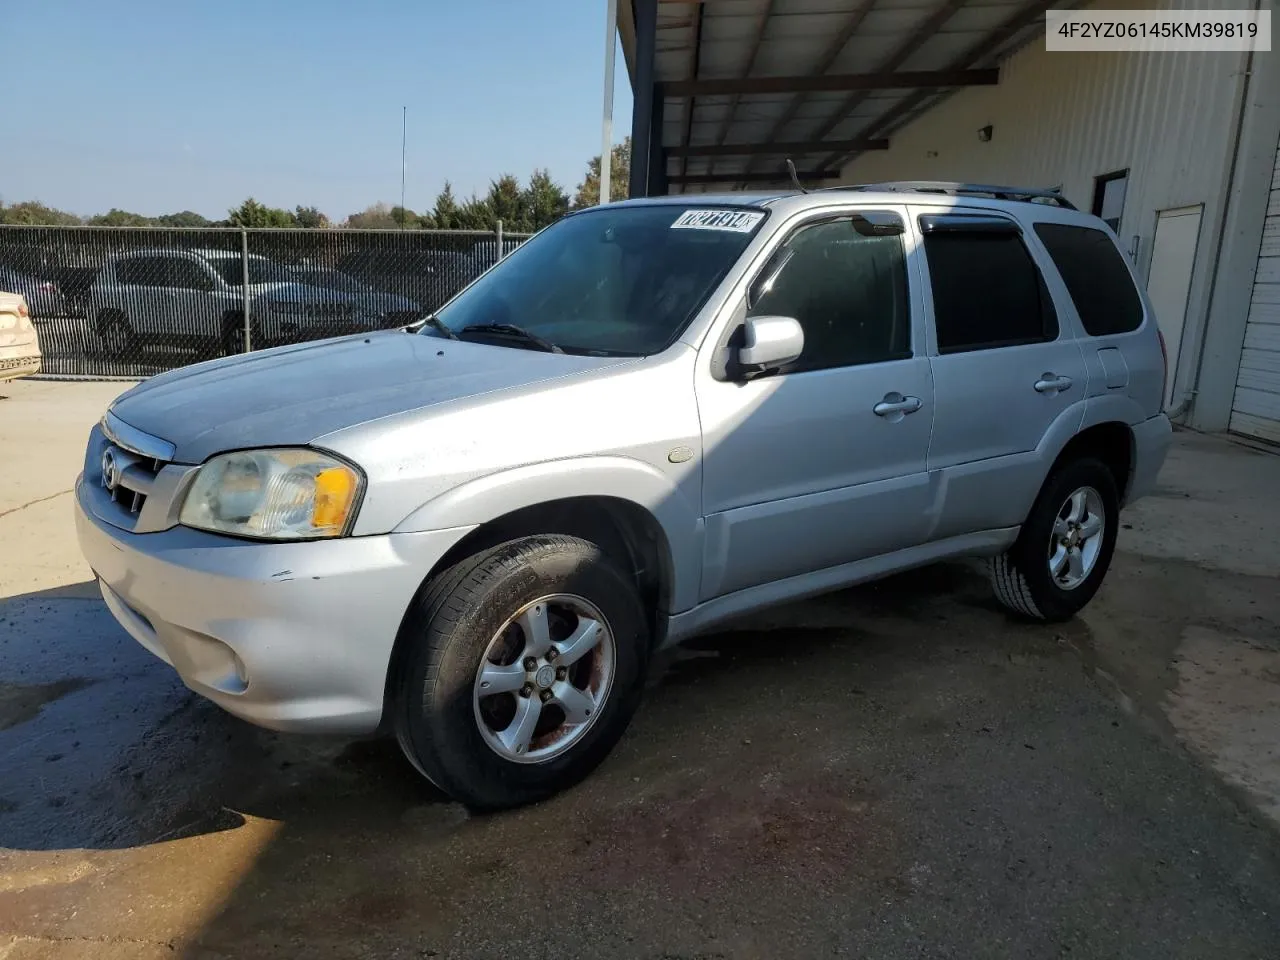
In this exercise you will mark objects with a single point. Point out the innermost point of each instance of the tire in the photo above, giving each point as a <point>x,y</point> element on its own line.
<point>1023,578</point>
<point>231,336</point>
<point>119,341</point>
<point>455,734</point>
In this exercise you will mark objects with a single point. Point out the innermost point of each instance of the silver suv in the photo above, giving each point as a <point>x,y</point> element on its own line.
<point>198,298</point>
<point>655,415</point>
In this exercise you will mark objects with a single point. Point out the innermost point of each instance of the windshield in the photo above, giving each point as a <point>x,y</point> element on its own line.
<point>619,280</point>
<point>261,270</point>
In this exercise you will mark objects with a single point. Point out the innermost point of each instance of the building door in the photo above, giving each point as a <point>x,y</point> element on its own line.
<point>1173,257</point>
<point>1256,408</point>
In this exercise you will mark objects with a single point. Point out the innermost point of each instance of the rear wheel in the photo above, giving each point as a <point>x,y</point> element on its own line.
<point>119,341</point>
<point>1065,547</point>
<point>523,668</point>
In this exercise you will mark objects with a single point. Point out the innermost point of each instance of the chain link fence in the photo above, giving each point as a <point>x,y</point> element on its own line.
<point>135,301</point>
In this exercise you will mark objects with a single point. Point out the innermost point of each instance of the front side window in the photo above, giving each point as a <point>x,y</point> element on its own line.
<point>987,291</point>
<point>143,271</point>
<point>621,280</point>
<point>848,290</point>
<point>1096,277</point>
<point>187,275</point>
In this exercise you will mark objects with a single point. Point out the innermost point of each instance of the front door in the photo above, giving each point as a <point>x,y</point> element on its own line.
<point>1005,368</point>
<point>822,462</point>
<point>196,312</point>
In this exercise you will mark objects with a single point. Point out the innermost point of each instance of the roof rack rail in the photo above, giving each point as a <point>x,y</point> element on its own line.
<point>1028,194</point>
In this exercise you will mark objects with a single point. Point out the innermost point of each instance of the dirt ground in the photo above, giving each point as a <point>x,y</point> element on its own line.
<point>898,770</point>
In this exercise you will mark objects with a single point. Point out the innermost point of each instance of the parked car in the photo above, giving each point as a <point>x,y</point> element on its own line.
<point>75,283</point>
<point>654,416</point>
<point>428,277</point>
<point>19,348</point>
<point>43,297</point>
<point>197,298</point>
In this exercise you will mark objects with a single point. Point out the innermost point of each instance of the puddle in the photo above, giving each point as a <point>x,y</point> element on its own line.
<point>21,702</point>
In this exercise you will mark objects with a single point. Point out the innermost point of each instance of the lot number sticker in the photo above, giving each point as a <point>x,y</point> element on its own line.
<point>735,221</point>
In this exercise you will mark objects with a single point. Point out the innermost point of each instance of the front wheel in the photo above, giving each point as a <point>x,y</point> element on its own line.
<point>523,668</point>
<point>119,342</point>
<point>1062,554</point>
<point>231,339</point>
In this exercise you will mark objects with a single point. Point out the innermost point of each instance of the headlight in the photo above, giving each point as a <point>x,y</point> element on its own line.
<point>290,494</point>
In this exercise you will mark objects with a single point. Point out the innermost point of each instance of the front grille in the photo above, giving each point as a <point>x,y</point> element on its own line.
<point>128,477</point>
<point>131,479</point>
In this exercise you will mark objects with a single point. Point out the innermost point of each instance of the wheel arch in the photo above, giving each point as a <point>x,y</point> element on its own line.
<point>625,530</point>
<point>1110,441</point>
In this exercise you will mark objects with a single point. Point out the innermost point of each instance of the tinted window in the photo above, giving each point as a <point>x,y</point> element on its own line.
<point>1096,277</point>
<point>987,292</point>
<point>848,291</point>
<point>142,271</point>
<point>188,275</point>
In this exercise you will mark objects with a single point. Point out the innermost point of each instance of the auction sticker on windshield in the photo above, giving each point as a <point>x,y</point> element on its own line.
<point>737,221</point>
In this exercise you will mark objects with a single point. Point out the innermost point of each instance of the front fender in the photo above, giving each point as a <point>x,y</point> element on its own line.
<point>487,498</point>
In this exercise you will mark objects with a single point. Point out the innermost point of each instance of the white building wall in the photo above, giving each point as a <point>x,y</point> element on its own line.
<point>1062,119</point>
<point>1256,408</point>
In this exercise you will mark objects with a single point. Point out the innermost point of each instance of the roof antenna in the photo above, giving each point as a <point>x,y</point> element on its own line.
<point>795,178</point>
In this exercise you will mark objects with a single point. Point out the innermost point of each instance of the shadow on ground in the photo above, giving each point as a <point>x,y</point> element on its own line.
<point>893,771</point>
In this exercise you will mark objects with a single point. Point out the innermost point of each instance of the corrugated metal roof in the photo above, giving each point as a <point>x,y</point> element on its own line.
<point>749,39</point>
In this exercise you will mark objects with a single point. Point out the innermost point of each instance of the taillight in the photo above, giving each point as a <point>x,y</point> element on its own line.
<point>22,307</point>
<point>1164,357</point>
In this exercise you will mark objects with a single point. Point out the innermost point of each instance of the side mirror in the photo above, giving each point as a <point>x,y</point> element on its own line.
<point>769,343</point>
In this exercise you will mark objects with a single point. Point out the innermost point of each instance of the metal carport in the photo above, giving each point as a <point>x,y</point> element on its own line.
<point>726,90</point>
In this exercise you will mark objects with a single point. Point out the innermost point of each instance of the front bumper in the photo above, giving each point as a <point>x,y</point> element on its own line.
<point>290,636</point>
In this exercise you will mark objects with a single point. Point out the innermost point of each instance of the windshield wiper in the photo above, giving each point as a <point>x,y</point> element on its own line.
<point>435,323</point>
<point>511,330</point>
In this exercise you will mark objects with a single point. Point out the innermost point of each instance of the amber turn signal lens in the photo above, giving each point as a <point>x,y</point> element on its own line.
<point>335,492</point>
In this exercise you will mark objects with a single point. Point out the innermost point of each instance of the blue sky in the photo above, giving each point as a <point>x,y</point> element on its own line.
<point>157,106</point>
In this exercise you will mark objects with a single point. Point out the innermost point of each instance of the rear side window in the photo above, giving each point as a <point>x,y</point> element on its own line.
<point>1096,277</point>
<point>987,292</point>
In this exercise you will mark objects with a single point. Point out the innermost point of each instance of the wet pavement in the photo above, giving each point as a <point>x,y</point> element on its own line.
<point>898,770</point>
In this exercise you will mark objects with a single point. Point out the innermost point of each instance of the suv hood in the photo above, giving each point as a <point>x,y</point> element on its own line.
<point>288,396</point>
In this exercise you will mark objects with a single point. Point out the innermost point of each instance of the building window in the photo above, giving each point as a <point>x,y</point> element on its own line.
<point>1108,197</point>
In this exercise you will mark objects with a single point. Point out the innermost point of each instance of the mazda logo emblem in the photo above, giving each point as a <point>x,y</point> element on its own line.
<point>110,470</point>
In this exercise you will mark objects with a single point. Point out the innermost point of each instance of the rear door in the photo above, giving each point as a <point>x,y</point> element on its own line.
<point>144,292</point>
<point>1007,367</point>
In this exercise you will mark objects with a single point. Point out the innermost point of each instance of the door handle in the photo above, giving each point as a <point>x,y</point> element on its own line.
<point>896,403</point>
<point>1052,383</point>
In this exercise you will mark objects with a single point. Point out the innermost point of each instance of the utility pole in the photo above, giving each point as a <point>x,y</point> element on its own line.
<point>606,145</point>
<point>404,129</point>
